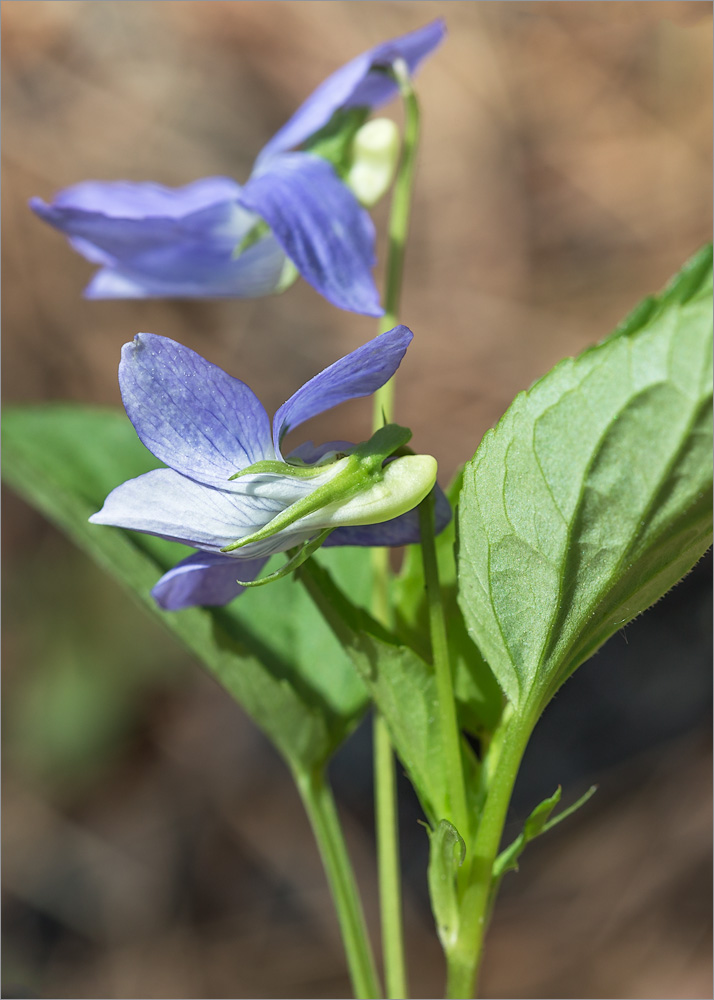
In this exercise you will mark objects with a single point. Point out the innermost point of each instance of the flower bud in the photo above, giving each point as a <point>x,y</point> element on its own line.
<point>375,152</point>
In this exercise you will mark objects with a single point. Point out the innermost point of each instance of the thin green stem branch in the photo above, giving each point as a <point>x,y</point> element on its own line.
<point>387,828</point>
<point>450,731</point>
<point>320,807</point>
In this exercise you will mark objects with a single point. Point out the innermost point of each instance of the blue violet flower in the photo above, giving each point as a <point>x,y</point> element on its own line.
<point>229,492</point>
<point>297,212</point>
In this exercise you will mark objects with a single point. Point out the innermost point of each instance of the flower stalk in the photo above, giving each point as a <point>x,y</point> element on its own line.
<point>387,824</point>
<point>320,807</point>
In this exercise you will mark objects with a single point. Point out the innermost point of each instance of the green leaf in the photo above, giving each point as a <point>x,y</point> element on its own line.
<point>402,685</point>
<point>478,694</point>
<point>446,855</point>
<point>592,496</point>
<point>286,669</point>
<point>537,823</point>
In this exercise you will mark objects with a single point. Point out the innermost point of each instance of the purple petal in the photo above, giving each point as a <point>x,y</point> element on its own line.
<point>165,241</point>
<point>204,579</point>
<point>402,530</point>
<point>321,227</point>
<point>358,374</point>
<point>129,200</point>
<point>310,453</point>
<point>356,84</point>
<point>189,413</point>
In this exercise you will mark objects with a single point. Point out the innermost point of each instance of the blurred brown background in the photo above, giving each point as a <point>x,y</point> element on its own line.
<point>153,845</point>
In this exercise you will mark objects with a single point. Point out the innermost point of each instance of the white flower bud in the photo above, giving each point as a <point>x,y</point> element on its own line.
<point>375,152</point>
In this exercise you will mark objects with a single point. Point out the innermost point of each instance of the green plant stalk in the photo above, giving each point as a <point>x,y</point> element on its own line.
<point>387,829</point>
<point>463,960</point>
<point>450,730</point>
<point>320,807</point>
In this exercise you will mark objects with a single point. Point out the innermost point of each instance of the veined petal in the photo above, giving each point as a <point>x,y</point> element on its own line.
<point>321,227</point>
<point>165,503</point>
<point>204,579</point>
<point>357,374</point>
<point>166,241</point>
<point>356,84</point>
<point>189,413</point>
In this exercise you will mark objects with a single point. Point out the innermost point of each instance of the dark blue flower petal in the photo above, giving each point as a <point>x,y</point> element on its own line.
<point>358,374</point>
<point>321,227</point>
<point>189,413</point>
<point>158,241</point>
<point>356,84</point>
<point>204,579</point>
<point>402,530</point>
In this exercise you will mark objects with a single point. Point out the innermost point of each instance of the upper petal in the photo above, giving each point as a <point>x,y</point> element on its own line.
<point>356,84</point>
<point>166,241</point>
<point>204,578</point>
<point>321,227</point>
<point>189,413</point>
<point>358,374</point>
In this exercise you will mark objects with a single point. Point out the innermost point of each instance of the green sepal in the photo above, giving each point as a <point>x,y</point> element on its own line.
<point>254,235</point>
<point>333,142</point>
<point>447,851</point>
<point>537,823</point>
<point>363,465</point>
<point>275,467</point>
<point>304,552</point>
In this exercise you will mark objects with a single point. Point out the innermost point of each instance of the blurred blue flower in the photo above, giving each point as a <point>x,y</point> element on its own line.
<point>206,426</point>
<point>210,239</point>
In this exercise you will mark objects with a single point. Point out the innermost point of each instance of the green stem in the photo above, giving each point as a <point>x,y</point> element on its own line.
<point>384,780</point>
<point>320,807</point>
<point>464,958</point>
<point>450,730</point>
<point>399,213</point>
<point>390,889</point>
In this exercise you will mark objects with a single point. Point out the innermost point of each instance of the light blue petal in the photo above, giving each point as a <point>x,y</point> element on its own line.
<point>189,413</point>
<point>164,503</point>
<point>321,227</point>
<point>204,579</point>
<point>356,84</point>
<point>358,374</point>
